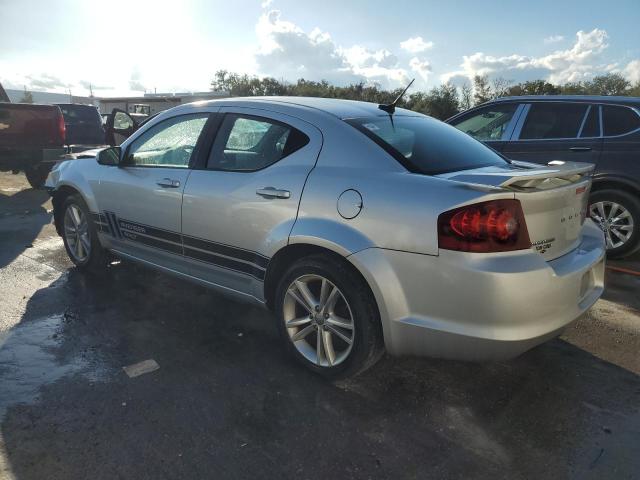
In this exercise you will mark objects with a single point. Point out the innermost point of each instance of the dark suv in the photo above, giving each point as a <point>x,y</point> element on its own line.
<point>604,131</point>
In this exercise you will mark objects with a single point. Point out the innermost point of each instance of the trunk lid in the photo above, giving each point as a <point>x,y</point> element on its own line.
<point>553,198</point>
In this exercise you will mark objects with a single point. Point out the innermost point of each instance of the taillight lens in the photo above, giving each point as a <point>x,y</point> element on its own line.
<point>494,226</point>
<point>62,131</point>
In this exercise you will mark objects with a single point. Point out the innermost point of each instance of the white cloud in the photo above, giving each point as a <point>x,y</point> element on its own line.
<point>266,3</point>
<point>421,67</point>
<point>632,71</point>
<point>553,39</point>
<point>287,51</point>
<point>415,45</point>
<point>579,62</point>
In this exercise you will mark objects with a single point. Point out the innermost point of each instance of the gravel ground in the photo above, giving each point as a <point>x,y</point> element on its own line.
<point>227,403</point>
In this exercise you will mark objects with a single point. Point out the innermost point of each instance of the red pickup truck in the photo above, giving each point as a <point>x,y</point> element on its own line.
<point>32,139</point>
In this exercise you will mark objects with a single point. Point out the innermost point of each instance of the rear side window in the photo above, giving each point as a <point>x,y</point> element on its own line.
<point>249,143</point>
<point>591,127</point>
<point>553,120</point>
<point>490,123</point>
<point>619,120</point>
<point>425,145</point>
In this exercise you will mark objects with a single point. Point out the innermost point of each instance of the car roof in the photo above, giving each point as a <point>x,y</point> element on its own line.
<point>635,101</point>
<point>337,107</point>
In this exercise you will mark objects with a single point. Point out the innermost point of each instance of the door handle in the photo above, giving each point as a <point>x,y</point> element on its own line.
<point>271,192</point>
<point>580,149</point>
<point>168,183</point>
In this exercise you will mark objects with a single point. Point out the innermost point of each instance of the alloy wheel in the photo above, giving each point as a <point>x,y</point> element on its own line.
<point>615,220</point>
<point>319,321</point>
<point>76,232</point>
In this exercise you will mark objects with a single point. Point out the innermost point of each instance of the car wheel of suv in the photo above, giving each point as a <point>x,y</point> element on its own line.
<point>618,214</point>
<point>37,175</point>
<point>80,235</point>
<point>328,318</point>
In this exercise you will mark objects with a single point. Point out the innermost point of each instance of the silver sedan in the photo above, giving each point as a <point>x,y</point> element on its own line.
<point>361,228</point>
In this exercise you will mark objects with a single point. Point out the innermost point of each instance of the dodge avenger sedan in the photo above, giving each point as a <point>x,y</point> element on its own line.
<point>362,227</point>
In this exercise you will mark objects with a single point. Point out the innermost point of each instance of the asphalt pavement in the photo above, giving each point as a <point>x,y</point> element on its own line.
<point>226,402</point>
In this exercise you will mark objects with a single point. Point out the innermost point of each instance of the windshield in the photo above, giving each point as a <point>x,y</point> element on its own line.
<point>425,145</point>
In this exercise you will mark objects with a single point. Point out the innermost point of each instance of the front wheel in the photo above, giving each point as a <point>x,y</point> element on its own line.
<point>80,235</point>
<point>618,214</point>
<point>327,317</point>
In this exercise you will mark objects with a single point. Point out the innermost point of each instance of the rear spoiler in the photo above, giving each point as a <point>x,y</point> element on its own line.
<point>530,176</point>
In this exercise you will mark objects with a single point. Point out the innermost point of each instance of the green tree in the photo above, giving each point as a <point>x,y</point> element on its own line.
<point>27,97</point>
<point>466,96</point>
<point>534,87</point>
<point>573,88</point>
<point>481,89</point>
<point>608,84</point>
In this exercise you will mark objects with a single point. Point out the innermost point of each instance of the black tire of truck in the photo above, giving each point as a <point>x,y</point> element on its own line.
<point>37,174</point>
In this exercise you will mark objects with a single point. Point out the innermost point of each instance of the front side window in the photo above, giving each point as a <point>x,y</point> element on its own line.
<point>619,120</point>
<point>249,143</point>
<point>488,124</point>
<point>551,120</point>
<point>169,143</point>
<point>425,145</point>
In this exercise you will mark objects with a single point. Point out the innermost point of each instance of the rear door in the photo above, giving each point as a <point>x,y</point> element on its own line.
<point>244,199</point>
<point>621,147</point>
<point>140,201</point>
<point>492,124</point>
<point>549,131</point>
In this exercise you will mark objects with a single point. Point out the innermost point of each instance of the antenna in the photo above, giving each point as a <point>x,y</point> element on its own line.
<point>390,108</point>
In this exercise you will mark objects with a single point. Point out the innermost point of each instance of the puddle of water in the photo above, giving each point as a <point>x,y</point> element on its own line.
<point>27,362</point>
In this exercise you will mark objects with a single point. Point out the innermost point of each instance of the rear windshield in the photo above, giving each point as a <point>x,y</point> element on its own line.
<point>425,145</point>
<point>80,115</point>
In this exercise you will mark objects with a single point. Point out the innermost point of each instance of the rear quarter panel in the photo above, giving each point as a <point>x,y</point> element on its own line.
<point>400,209</point>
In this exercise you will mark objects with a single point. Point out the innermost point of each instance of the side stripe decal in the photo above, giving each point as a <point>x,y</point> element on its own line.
<point>225,256</point>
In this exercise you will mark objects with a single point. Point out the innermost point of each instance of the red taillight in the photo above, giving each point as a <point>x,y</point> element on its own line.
<point>494,226</point>
<point>62,131</point>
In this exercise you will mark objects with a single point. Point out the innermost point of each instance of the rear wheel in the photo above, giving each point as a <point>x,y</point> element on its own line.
<point>328,318</point>
<point>618,214</point>
<point>80,235</point>
<point>37,174</point>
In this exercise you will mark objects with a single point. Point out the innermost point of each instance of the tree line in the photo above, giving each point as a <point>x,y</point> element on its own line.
<point>440,102</point>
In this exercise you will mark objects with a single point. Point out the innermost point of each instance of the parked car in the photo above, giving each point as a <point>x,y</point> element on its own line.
<point>360,229</point>
<point>32,139</point>
<point>601,130</point>
<point>83,125</point>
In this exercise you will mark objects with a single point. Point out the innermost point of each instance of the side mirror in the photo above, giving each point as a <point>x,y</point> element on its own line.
<point>109,156</point>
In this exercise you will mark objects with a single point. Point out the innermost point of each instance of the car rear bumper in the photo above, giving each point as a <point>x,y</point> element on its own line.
<point>470,306</point>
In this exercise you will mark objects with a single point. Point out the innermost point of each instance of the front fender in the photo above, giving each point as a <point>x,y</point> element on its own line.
<point>72,174</point>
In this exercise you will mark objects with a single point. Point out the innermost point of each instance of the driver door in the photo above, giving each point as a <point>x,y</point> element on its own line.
<point>141,199</point>
<point>118,127</point>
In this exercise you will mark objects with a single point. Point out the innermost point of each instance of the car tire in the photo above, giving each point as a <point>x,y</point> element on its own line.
<point>628,215</point>
<point>37,175</point>
<point>90,255</point>
<point>352,303</point>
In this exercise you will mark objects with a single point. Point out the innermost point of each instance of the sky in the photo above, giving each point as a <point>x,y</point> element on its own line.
<point>123,47</point>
